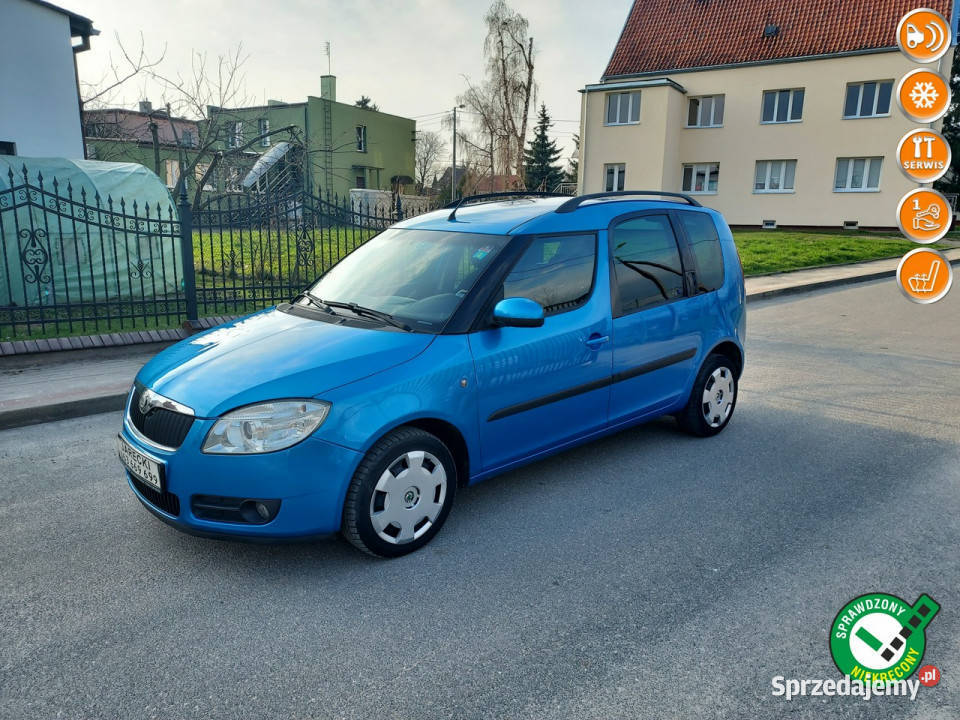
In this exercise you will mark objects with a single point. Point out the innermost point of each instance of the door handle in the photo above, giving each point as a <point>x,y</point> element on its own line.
<point>595,341</point>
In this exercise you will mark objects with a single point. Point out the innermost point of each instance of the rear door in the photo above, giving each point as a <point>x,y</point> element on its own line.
<point>655,342</point>
<point>541,387</point>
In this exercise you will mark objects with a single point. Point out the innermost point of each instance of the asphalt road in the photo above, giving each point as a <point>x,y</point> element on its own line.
<point>646,575</point>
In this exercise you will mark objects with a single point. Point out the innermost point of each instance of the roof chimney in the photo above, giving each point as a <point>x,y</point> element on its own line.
<point>146,106</point>
<point>328,87</point>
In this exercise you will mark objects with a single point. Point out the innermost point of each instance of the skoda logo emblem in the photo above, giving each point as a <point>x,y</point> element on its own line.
<point>148,400</point>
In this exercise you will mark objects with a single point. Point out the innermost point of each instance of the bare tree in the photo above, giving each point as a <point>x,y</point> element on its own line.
<point>428,150</point>
<point>502,102</point>
<point>207,94</point>
<point>132,63</point>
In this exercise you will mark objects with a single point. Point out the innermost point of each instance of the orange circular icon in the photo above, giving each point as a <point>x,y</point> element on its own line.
<point>924,155</point>
<point>923,35</point>
<point>924,215</point>
<point>924,95</point>
<point>924,275</point>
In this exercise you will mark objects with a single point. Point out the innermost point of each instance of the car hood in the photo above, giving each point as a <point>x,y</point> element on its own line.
<point>271,355</point>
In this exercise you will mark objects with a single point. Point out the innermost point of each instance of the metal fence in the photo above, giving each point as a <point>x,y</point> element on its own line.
<point>75,264</point>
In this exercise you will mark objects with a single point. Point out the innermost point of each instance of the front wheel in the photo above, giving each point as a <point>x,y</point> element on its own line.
<point>400,494</point>
<point>713,398</point>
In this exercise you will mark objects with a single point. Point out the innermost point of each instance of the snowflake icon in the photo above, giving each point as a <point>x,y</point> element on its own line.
<point>924,95</point>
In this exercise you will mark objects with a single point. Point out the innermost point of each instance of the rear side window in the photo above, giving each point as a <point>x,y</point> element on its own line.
<point>705,243</point>
<point>646,263</point>
<point>556,271</point>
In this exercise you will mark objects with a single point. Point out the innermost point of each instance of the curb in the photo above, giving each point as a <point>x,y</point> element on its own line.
<point>61,411</point>
<point>114,402</point>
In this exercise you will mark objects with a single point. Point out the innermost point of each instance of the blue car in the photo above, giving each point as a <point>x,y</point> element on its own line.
<point>447,349</point>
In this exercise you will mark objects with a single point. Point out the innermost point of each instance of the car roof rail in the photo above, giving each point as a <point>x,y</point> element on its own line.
<point>487,197</point>
<point>573,203</point>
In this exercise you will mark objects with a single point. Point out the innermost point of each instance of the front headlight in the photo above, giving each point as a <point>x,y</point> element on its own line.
<point>265,427</point>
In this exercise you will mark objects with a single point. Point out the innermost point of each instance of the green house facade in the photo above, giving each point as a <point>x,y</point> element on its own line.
<point>343,146</point>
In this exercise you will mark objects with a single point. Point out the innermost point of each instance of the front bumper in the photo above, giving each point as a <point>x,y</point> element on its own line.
<point>310,480</point>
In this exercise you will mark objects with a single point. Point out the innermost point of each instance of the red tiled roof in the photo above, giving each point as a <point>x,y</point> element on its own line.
<point>662,35</point>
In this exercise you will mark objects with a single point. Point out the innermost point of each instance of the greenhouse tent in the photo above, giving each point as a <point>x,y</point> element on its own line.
<point>80,231</point>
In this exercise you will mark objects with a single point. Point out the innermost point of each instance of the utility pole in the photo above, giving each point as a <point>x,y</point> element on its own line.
<point>156,145</point>
<point>453,168</point>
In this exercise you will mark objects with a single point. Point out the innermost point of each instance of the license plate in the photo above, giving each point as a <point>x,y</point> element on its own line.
<point>141,466</point>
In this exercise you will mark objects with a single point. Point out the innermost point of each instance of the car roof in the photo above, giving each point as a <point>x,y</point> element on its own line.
<point>535,215</point>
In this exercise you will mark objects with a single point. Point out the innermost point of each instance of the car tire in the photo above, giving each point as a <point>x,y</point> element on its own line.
<point>400,494</point>
<point>712,399</point>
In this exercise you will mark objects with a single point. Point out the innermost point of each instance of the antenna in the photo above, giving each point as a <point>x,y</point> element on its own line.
<point>326,47</point>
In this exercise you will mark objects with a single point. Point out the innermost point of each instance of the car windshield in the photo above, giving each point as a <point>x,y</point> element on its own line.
<point>418,276</point>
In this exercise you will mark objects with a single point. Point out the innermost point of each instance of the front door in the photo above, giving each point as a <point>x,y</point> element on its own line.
<point>541,387</point>
<point>655,342</point>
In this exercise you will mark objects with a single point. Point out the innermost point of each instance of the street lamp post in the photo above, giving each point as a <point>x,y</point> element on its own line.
<point>453,168</point>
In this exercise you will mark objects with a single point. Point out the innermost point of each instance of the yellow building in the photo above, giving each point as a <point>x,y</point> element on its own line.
<point>780,113</point>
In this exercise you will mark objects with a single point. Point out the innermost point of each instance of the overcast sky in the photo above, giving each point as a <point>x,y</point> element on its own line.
<point>410,57</point>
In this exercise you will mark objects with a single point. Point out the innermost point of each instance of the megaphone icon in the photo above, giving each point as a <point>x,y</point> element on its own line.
<point>914,36</point>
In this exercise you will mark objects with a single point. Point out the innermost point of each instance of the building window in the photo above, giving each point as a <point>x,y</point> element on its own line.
<point>233,180</point>
<point>706,111</point>
<point>263,130</point>
<point>10,148</point>
<point>188,139</point>
<point>172,171</point>
<point>361,138</point>
<point>199,171</point>
<point>614,177</point>
<point>774,176</point>
<point>623,108</point>
<point>857,174</point>
<point>701,178</point>
<point>782,106</point>
<point>236,136</point>
<point>868,99</point>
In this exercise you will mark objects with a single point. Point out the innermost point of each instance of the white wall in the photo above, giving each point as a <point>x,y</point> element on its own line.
<point>39,108</point>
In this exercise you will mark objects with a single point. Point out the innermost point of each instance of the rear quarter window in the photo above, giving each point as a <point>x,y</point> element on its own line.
<point>705,243</point>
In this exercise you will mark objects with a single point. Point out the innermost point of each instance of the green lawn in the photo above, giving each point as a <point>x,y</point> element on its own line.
<point>768,251</point>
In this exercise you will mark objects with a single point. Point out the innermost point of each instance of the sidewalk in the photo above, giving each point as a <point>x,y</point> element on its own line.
<point>58,385</point>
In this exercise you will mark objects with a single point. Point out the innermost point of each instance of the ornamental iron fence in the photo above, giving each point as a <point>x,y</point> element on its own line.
<point>80,264</point>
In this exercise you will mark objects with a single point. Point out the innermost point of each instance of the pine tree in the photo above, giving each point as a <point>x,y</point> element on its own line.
<point>951,130</point>
<point>541,156</point>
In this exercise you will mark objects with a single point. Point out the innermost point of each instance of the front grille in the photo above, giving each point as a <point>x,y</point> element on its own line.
<point>162,426</point>
<point>168,502</point>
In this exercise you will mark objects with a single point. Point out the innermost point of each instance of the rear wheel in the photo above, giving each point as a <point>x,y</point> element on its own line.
<point>713,398</point>
<point>400,494</point>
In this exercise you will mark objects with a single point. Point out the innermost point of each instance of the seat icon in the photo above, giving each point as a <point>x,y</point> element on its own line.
<point>925,282</point>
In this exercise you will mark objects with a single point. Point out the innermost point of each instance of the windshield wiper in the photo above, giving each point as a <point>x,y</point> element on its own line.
<point>369,312</point>
<point>315,301</point>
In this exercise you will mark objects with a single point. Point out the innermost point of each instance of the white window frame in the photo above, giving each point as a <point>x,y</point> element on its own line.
<point>768,176</point>
<point>713,111</point>
<point>263,127</point>
<point>619,176</point>
<point>706,168</point>
<point>867,167</point>
<point>172,172</point>
<point>236,137</point>
<point>361,138</point>
<point>633,98</point>
<point>776,105</point>
<point>876,99</point>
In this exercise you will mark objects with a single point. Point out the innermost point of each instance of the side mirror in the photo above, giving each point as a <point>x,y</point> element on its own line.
<point>518,312</point>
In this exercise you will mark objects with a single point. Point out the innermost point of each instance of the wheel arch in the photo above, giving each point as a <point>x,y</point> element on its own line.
<point>732,351</point>
<point>448,433</point>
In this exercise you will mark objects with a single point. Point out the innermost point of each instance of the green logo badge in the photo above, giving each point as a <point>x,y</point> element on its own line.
<point>879,638</point>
